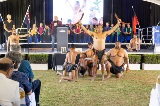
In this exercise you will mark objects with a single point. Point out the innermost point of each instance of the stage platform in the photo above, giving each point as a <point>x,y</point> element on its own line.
<point>78,45</point>
<point>45,48</point>
<point>48,51</point>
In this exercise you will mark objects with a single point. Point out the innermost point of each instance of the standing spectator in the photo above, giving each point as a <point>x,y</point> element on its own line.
<point>123,37</point>
<point>112,37</point>
<point>9,90</point>
<point>77,36</point>
<point>54,24</point>
<point>40,33</point>
<point>8,26</point>
<point>85,39</point>
<point>33,34</point>
<point>47,34</point>
<point>91,28</point>
<point>128,33</point>
<point>118,33</point>
<point>107,28</point>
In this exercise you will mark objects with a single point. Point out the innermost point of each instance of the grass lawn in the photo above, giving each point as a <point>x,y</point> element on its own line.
<point>133,89</point>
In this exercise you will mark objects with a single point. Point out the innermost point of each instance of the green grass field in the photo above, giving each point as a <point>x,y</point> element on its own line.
<point>133,89</point>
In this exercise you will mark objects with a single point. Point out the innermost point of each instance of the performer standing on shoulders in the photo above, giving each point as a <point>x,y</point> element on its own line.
<point>99,38</point>
<point>53,26</point>
<point>8,26</point>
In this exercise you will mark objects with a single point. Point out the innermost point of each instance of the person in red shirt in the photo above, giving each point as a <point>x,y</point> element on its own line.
<point>77,36</point>
<point>40,33</point>
<point>53,27</point>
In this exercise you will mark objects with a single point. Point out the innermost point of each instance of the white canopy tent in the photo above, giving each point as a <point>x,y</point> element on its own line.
<point>153,1</point>
<point>2,0</point>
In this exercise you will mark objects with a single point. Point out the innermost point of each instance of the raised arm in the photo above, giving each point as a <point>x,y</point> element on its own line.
<point>114,28</point>
<point>85,30</point>
<point>21,36</point>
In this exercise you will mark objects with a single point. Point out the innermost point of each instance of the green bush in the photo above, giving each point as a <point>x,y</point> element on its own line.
<point>38,58</point>
<point>134,59</point>
<point>152,58</point>
<point>23,56</point>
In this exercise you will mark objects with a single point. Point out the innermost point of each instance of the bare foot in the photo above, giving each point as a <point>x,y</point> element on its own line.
<point>108,76</point>
<point>61,79</point>
<point>92,79</point>
<point>58,73</point>
<point>103,78</point>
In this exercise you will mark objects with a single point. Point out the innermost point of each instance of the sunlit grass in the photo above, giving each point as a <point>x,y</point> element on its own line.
<point>133,89</point>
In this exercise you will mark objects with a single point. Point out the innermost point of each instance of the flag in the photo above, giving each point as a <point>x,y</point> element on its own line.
<point>1,19</point>
<point>27,20</point>
<point>134,23</point>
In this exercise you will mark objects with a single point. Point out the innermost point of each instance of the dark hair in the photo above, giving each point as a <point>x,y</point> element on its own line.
<point>15,48</point>
<point>16,57</point>
<point>72,46</point>
<point>90,43</point>
<point>117,42</point>
<point>5,64</point>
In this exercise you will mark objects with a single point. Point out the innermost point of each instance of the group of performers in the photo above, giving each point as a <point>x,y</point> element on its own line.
<point>113,60</point>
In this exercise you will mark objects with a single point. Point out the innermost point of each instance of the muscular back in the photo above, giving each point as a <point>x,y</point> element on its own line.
<point>71,57</point>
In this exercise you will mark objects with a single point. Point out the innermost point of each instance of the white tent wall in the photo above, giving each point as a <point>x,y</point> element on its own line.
<point>153,1</point>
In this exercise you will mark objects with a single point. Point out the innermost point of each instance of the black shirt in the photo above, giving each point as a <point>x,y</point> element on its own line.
<point>9,26</point>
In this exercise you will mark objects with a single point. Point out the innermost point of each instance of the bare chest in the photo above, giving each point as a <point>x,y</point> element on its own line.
<point>117,53</point>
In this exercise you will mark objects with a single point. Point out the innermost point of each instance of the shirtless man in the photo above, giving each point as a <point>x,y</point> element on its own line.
<point>82,66</point>
<point>91,61</point>
<point>99,38</point>
<point>69,64</point>
<point>115,63</point>
<point>14,39</point>
<point>134,44</point>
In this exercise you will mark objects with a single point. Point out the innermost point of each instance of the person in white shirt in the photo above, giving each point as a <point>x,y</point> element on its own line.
<point>9,90</point>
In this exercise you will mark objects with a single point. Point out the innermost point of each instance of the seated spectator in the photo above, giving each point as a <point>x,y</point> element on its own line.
<point>19,76</point>
<point>25,66</point>
<point>9,90</point>
<point>134,44</point>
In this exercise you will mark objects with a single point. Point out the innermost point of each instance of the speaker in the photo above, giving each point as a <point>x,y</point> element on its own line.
<point>62,38</point>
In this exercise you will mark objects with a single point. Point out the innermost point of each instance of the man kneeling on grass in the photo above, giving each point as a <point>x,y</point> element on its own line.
<point>69,64</point>
<point>115,63</point>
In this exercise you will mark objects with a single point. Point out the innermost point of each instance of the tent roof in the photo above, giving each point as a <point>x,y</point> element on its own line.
<point>153,1</point>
